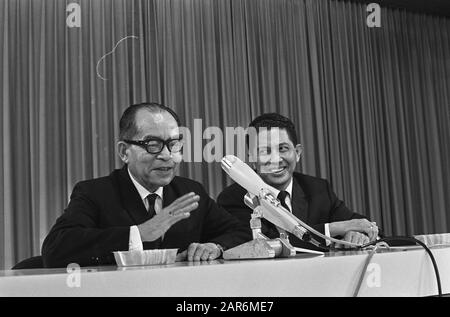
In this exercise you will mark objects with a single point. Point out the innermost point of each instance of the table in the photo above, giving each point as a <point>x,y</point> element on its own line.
<point>401,271</point>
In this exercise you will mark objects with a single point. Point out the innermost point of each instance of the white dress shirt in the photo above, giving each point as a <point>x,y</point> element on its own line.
<point>135,240</point>
<point>289,204</point>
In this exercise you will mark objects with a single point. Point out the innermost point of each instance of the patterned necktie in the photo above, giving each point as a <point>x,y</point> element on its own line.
<point>151,199</point>
<point>282,198</point>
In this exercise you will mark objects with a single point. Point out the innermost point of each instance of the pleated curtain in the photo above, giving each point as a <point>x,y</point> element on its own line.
<point>371,105</point>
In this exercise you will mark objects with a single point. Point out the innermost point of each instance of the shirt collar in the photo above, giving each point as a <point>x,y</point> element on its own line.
<point>289,187</point>
<point>143,192</point>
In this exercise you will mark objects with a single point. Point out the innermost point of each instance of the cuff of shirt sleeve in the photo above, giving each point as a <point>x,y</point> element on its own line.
<point>135,241</point>
<point>327,233</point>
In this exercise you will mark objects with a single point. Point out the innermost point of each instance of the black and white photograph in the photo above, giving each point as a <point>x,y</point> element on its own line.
<point>224,155</point>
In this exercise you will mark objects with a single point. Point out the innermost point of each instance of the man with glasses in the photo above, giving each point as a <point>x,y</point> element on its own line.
<point>142,205</point>
<point>274,154</point>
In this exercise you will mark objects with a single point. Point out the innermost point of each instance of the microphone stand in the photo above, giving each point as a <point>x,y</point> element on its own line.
<point>261,247</point>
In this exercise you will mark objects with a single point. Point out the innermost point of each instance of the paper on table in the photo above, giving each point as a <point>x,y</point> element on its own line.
<point>433,240</point>
<point>308,251</point>
<point>145,257</point>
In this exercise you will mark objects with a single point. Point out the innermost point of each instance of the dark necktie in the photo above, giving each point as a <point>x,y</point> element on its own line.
<point>151,199</point>
<point>282,198</point>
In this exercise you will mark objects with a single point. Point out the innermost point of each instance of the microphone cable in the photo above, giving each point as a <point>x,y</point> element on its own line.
<point>373,251</point>
<point>392,239</point>
<point>366,264</point>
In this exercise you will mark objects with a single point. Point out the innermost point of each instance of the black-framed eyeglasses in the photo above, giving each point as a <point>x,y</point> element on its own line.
<point>156,145</point>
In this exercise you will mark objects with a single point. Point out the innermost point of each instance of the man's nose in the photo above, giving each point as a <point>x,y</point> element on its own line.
<point>165,154</point>
<point>275,157</point>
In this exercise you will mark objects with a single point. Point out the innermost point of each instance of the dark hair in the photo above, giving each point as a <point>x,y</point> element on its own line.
<point>127,124</point>
<point>275,120</point>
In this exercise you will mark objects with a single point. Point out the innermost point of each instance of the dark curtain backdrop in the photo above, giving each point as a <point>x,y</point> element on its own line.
<point>372,105</point>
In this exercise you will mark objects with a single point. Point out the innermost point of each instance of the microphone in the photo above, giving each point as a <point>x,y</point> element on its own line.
<point>242,174</point>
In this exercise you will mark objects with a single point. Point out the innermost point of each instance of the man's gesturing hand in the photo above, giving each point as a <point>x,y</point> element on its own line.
<point>180,209</point>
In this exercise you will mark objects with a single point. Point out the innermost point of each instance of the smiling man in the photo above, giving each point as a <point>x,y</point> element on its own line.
<point>142,205</point>
<point>275,153</point>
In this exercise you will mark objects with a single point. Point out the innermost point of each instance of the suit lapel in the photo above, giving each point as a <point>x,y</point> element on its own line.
<point>130,198</point>
<point>299,202</point>
<point>169,195</point>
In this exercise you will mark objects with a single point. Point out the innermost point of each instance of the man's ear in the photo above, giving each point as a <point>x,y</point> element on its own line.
<point>298,152</point>
<point>122,150</point>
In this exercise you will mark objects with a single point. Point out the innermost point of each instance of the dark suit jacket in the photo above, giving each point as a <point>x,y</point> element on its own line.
<point>313,202</point>
<point>100,212</point>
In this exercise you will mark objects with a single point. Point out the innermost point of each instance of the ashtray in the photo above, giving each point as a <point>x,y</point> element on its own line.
<point>145,257</point>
